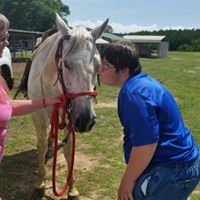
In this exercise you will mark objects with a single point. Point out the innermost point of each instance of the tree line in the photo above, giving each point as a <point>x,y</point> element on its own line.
<point>179,40</point>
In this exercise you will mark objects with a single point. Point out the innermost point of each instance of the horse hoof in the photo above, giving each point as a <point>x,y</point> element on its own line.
<point>38,193</point>
<point>73,198</point>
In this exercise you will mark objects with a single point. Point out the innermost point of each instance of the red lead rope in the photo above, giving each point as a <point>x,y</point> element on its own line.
<point>55,125</point>
<point>54,135</point>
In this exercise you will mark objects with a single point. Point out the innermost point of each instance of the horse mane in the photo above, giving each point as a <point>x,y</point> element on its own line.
<point>77,39</point>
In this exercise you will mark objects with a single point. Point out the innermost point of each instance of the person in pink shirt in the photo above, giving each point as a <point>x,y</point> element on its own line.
<point>9,107</point>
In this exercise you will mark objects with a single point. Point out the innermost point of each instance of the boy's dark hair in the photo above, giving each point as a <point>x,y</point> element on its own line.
<point>122,55</point>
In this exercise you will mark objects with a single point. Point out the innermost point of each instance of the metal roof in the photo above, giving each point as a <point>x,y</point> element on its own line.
<point>23,32</point>
<point>145,38</point>
<point>101,41</point>
<point>112,37</point>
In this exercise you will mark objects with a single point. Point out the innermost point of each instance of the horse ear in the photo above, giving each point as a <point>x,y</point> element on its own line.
<point>96,32</point>
<point>62,26</point>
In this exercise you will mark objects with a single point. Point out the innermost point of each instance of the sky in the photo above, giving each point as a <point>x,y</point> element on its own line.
<point>127,16</point>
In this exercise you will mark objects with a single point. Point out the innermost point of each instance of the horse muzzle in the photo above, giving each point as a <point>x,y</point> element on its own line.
<point>85,121</point>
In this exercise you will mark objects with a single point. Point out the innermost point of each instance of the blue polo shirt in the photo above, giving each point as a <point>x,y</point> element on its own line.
<point>149,114</point>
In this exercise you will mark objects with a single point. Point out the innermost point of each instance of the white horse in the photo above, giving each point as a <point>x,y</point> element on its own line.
<point>79,64</point>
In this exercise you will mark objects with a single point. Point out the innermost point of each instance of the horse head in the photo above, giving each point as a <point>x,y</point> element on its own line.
<point>79,62</point>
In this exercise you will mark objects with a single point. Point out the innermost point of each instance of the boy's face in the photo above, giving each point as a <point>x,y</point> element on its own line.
<point>108,75</point>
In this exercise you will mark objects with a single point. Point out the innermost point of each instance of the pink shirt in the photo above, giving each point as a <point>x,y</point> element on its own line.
<point>5,115</point>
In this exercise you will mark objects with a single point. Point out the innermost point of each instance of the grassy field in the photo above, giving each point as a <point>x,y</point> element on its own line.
<point>98,177</point>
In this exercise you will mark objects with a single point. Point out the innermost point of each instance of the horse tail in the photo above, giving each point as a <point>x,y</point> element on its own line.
<point>23,86</point>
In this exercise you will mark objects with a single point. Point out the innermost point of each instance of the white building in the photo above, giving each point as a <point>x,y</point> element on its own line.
<point>150,44</point>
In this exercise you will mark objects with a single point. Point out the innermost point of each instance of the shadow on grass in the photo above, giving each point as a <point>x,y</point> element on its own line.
<point>18,175</point>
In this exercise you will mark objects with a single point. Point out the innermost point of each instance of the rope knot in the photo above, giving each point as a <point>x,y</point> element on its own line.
<point>62,125</point>
<point>63,103</point>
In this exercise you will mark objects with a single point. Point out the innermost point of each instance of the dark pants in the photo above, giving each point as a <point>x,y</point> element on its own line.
<point>170,182</point>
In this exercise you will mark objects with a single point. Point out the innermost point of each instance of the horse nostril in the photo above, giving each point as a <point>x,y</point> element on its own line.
<point>85,123</point>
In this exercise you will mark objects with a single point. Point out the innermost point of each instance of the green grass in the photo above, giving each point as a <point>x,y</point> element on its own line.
<point>23,54</point>
<point>179,72</point>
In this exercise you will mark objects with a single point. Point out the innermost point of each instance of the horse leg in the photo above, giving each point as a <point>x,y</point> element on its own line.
<point>42,132</point>
<point>73,193</point>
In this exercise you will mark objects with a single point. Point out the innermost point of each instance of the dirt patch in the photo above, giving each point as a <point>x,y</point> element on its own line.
<point>18,68</point>
<point>83,163</point>
<point>112,104</point>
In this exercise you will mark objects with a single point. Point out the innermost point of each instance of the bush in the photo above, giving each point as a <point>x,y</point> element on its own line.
<point>185,47</point>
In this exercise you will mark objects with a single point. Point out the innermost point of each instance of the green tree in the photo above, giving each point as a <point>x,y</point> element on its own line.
<point>196,45</point>
<point>34,15</point>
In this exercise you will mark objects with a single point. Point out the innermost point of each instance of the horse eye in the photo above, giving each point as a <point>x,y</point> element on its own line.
<point>67,65</point>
